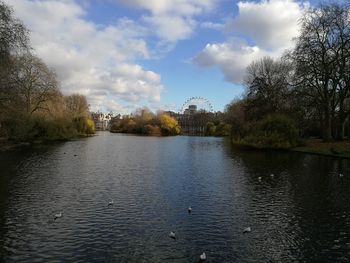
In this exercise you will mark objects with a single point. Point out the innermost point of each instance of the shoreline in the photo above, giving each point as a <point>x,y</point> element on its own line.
<point>319,153</point>
<point>338,149</point>
<point>10,145</point>
<point>335,149</point>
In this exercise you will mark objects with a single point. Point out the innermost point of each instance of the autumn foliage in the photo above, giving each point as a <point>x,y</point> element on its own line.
<point>143,121</point>
<point>32,107</point>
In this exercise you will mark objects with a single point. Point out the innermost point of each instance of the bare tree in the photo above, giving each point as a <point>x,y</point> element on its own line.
<point>13,34</point>
<point>267,84</point>
<point>35,83</point>
<point>236,117</point>
<point>13,40</point>
<point>77,105</point>
<point>321,60</point>
<point>341,78</point>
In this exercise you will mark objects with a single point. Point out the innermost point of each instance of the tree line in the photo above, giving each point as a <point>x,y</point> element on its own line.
<point>304,93</point>
<point>145,122</point>
<point>32,105</point>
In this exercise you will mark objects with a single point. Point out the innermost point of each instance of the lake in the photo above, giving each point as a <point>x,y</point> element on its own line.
<point>300,214</point>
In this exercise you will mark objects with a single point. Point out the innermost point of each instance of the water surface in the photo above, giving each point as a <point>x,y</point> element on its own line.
<point>301,214</point>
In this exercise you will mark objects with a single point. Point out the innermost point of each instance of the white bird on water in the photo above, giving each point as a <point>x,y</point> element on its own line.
<point>247,230</point>
<point>341,175</point>
<point>58,215</point>
<point>259,178</point>
<point>272,175</point>
<point>203,257</point>
<point>110,202</point>
<point>189,210</point>
<point>172,235</point>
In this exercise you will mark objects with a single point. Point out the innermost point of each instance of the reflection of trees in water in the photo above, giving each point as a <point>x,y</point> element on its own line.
<point>268,204</point>
<point>263,160</point>
<point>306,201</point>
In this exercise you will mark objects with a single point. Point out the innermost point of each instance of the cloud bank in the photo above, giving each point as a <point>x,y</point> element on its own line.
<point>173,20</point>
<point>99,61</point>
<point>91,59</point>
<point>268,25</point>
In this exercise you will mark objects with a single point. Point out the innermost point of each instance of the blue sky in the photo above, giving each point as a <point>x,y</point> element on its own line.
<point>124,54</point>
<point>181,79</point>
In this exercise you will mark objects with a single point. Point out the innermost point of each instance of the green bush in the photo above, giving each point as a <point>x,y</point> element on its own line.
<point>58,129</point>
<point>18,127</point>
<point>217,128</point>
<point>23,127</point>
<point>274,132</point>
<point>84,125</point>
<point>210,129</point>
<point>222,129</point>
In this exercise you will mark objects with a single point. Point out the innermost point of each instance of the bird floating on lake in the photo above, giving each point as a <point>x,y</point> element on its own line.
<point>272,175</point>
<point>247,230</point>
<point>172,235</point>
<point>259,178</point>
<point>341,175</point>
<point>58,215</point>
<point>189,210</point>
<point>110,202</point>
<point>203,257</point>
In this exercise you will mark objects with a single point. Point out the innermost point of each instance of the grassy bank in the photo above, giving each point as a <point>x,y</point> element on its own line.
<point>312,146</point>
<point>317,146</point>
<point>8,145</point>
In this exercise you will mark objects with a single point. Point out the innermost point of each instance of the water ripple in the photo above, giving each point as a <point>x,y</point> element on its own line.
<point>301,214</point>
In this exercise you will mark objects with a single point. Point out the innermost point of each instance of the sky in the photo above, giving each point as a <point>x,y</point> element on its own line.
<point>126,54</point>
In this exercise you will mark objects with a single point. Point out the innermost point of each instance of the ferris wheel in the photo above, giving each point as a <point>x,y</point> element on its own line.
<point>201,103</point>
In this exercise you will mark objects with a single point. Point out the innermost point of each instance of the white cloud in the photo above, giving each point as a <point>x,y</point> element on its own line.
<point>175,7</point>
<point>133,83</point>
<point>91,59</point>
<point>173,20</point>
<point>232,57</point>
<point>211,25</point>
<point>171,28</point>
<point>269,25</point>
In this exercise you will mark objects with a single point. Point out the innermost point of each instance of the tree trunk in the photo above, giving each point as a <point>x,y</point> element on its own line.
<point>327,128</point>
<point>341,128</point>
<point>341,121</point>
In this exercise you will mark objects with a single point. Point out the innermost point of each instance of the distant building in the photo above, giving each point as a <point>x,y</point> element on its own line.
<point>192,109</point>
<point>102,120</point>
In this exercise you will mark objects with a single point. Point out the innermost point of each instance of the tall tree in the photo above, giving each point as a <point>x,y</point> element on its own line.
<point>267,84</point>
<point>341,78</point>
<point>35,83</point>
<point>13,34</point>
<point>321,59</point>
<point>13,41</point>
<point>236,117</point>
<point>77,105</point>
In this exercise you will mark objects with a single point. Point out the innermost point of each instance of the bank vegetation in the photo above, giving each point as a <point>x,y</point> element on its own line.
<point>145,122</point>
<point>304,94</point>
<point>32,105</point>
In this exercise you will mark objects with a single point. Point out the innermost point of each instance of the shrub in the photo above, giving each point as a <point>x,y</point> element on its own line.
<point>222,129</point>
<point>84,125</point>
<point>275,132</point>
<point>210,129</point>
<point>151,130</point>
